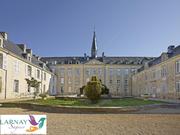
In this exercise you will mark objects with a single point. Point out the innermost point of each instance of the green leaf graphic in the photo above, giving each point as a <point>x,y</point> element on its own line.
<point>41,122</point>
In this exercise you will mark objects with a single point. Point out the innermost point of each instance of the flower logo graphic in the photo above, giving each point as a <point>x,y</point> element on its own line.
<point>34,124</point>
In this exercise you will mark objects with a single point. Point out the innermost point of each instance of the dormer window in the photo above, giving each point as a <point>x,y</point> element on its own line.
<point>29,58</point>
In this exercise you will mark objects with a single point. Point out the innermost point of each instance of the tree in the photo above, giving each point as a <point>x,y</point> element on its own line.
<point>93,89</point>
<point>33,83</point>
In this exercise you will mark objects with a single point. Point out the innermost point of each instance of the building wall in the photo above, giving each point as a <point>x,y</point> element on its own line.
<point>16,69</point>
<point>159,80</point>
<point>70,77</point>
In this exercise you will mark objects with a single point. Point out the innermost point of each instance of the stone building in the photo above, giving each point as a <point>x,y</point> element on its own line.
<point>115,72</point>
<point>18,63</point>
<point>160,77</point>
<point>124,76</point>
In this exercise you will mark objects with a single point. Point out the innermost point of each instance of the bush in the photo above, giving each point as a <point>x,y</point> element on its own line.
<point>82,89</point>
<point>43,95</point>
<point>93,89</point>
<point>105,90</point>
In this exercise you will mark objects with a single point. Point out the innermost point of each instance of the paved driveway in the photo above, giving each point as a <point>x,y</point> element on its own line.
<point>107,124</point>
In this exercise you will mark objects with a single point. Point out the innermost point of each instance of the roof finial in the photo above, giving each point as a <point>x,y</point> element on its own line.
<point>94,28</point>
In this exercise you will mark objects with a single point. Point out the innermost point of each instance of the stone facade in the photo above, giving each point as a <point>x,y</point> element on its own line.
<point>15,68</point>
<point>71,77</point>
<point>115,72</point>
<point>161,79</point>
<point>124,76</point>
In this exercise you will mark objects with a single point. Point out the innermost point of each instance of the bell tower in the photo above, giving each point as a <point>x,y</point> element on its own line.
<point>94,47</point>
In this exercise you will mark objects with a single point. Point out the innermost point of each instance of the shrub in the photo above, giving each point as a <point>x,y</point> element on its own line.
<point>43,95</point>
<point>82,89</point>
<point>105,90</point>
<point>93,89</point>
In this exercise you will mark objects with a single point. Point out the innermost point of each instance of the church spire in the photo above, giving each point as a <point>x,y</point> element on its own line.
<point>94,47</point>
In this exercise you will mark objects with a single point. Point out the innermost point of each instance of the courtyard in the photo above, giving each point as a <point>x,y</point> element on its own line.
<point>108,124</point>
<point>161,120</point>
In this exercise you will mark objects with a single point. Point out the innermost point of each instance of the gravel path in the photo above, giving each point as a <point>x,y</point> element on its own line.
<point>107,124</point>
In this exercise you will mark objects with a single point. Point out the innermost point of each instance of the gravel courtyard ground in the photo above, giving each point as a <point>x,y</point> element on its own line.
<point>109,124</point>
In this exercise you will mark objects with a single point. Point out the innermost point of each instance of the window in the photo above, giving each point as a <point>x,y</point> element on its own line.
<point>94,71</point>
<point>29,58</point>
<point>118,81</point>
<point>110,81</point>
<point>44,76</point>
<point>125,85</point>
<point>145,76</point>
<point>29,70</point>
<point>154,74</point>
<point>62,80</point>
<point>0,84</point>
<point>178,86</point>
<point>62,89</point>
<point>163,72</point>
<point>0,42</point>
<point>62,72</point>
<point>69,72</point>
<point>111,72</point>
<point>38,73</point>
<point>88,72</point>
<point>126,71</point>
<point>118,72</point>
<point>133,70</point>
<point>16,66</point>
<point>178,66</point>
<point>44,88</point>
<point>77,72</point>
<point>69,89</point>
<point>1,60</point>
<point>69,80</point>
<point>16,85</point>
<point>99,71</point>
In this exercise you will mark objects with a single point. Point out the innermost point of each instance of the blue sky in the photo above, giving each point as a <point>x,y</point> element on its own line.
<point>65,27</point>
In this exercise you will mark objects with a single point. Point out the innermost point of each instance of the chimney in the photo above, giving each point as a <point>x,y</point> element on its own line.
<point>38,57</point>
<point>29,51</point>
<point>23,47</point>
<point>42,65</point>
<point>55,62</point>
<point>103,54</point>
<point>4,35</point>
<point>85,55</point>
<point>170,49</point>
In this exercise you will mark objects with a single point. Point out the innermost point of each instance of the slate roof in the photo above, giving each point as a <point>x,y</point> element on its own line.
<point>175,52</point>
<point>15,49</point>
<point>105,60</point>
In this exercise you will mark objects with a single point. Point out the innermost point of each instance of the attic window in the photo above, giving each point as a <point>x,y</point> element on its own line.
<point>29,58</point>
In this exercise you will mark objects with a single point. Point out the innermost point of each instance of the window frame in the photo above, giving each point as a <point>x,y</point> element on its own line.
<point>16,86</point>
